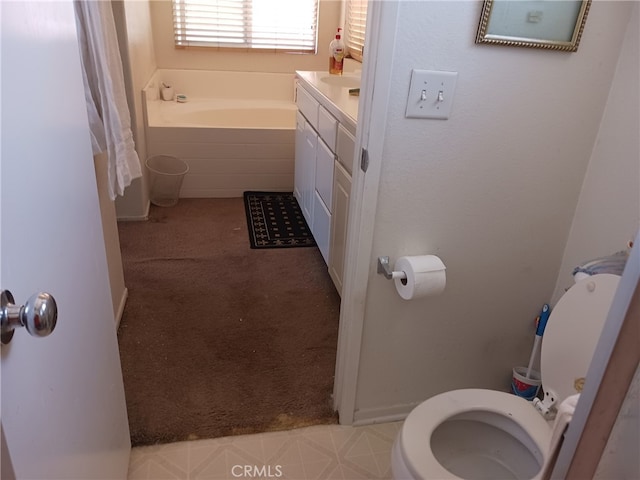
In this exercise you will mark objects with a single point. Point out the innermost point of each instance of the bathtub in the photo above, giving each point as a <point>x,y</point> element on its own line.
<point>236,131</point>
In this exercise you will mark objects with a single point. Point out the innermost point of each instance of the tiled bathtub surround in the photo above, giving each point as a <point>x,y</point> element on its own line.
<point>319,452</point>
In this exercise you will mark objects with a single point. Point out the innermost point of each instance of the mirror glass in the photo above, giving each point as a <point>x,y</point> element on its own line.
<point>553,25</point>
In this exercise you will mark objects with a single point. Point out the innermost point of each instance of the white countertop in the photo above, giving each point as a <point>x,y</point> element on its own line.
<point>326,89</point>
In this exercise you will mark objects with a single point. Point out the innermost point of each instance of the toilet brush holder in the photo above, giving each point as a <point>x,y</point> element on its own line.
<point>525,386</point>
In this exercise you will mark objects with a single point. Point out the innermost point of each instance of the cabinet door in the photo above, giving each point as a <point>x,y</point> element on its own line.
<point>321,226</point>
<point>324,173</point>
<point>298,175</point>
<point>339,220</point>
<point>305,166</point>
<point>308,174</point>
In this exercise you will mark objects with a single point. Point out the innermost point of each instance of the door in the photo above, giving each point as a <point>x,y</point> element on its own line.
<point>63,409</point>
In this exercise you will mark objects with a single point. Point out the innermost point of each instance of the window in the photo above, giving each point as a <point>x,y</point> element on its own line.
<point>275,25</point>
<point>356,24</point>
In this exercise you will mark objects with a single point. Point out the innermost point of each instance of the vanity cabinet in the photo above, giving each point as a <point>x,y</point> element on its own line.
<point>314,163</point>
<point>324,162</point>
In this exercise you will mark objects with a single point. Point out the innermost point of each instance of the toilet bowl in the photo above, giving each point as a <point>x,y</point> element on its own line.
<point>487,434</point>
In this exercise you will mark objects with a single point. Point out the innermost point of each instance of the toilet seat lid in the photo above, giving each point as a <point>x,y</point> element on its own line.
<point>572,332</point>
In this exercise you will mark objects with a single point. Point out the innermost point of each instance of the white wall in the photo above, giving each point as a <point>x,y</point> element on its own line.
<point>206,59</point>
<point>139,63</point>
<point>492,191</point>
<point>608,212</point>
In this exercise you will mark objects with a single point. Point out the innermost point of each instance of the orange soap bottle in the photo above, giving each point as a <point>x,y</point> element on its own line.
<point>336,54</point>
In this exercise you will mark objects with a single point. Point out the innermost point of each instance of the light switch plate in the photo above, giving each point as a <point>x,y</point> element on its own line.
<point>431,94</point>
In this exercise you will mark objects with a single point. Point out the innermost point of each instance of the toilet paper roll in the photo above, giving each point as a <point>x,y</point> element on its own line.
<point>425,276</point>
<point>167,93</point>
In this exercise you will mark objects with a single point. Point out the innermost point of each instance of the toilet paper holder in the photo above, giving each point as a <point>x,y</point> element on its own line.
<point>384,268</point>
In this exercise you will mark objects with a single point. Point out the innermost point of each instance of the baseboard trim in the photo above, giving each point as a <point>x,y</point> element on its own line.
<point>123,301</point>
<point>394,413</point>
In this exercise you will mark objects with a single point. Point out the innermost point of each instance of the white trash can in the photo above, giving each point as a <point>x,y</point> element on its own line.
<point>166,174</point>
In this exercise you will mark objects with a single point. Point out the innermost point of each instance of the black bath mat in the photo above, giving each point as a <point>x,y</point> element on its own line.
<point>275,221</point>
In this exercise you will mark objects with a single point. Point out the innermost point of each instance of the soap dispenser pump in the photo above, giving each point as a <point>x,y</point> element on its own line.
<point>336,54</point>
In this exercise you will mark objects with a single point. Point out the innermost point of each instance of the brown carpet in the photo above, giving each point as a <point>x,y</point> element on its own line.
<point>218,339</point>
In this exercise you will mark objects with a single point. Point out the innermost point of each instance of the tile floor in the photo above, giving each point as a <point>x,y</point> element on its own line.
<point>320,452</point>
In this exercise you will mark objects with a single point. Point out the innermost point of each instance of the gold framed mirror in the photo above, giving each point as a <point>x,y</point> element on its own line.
<point>551,25</point>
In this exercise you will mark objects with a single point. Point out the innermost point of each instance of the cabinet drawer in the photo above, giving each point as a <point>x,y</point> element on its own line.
<point>345,149</point>
<point>324,173</point>
<point>308,106</point>
<point>327,126</point>
<point>321,226</point>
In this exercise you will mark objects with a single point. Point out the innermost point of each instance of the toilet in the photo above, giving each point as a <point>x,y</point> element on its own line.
<point>487,434</point>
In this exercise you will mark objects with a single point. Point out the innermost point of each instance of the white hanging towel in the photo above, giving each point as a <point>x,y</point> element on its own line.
<point>109,118</point>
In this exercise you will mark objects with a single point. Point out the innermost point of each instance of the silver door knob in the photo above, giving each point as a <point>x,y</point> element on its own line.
<point>38,315</point>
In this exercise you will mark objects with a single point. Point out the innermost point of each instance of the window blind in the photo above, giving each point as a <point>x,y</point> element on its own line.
<point>356,24</point>
<point>280,25</point>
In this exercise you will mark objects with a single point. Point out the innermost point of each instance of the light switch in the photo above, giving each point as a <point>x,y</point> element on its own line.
<point>431,94</point>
